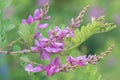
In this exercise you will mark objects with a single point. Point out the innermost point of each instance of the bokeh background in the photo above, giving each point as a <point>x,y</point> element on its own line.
<point>61,12</point>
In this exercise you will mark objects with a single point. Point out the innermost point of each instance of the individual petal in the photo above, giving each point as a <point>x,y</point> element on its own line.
<point>68,32</point>
<point>30,19</point>
<point>37,35</point>
<point>47,18</point>
<point>56,61</point>
<point>37,68</point>
<point>81,57</point>
<point>43,26</point>
<point>71,60</point>
<point>52,70</point>
<point>53,50</point>
<point>43,39</point>
<point>29,67</point>
<point>81,60</point>
<point>80,63</point>
<point>37,43</point>
<point>36,49</point>
<point>45,55</point>
<point>53,67</point>
<point>37,14</point>
<point>58,44</point>
<point>24,21</point>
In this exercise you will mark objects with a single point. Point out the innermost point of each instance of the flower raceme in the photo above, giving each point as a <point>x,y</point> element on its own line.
<point>39,14</point>
<point>55,44</point>
<point>72,63</point>
<point>52,45</point>
<point>56,66</point>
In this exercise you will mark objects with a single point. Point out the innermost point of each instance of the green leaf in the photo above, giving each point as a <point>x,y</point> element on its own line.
<point>4,4</point>
<point>27,32</point>
<point>10,27</point>
<point>90,72</point>
<point>16,48</point>
<point>5,26</point>
<point>97,26</point>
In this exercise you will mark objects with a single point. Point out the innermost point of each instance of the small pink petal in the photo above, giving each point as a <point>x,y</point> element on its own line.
<point>37,68</point>
<point>29,67</point>
<point>30,19</point>
<point>36,49</point>
<point>43,26</point>
<point>36,14</point>
<point>24,21</point>
<point>47,18</point>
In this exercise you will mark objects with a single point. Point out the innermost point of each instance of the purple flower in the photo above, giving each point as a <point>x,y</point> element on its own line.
<point>43,26</point>
<point>45,55</point>
<point>53,44</point>
<point>59,34</point>
<point>53,67</point>
<point>38,14</point>
<point>46,46</point>
<point>54,33</point>
<point>68,32</point>
<point>37,35</point>
<point>30,68</point>
<point>39,47</point>
<point>24,21</point>
<point>81,60</point>
<point>28,21</point>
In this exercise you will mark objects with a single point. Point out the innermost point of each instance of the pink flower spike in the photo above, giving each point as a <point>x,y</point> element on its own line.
<point>30,19</point>
<point>43,26</point>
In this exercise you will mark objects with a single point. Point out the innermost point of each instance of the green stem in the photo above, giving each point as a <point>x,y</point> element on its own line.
<point>10,43</point>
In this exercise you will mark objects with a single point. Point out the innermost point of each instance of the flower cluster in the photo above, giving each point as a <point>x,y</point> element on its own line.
<point>56,66</point>
<point>52,45</point>
<point>55,44</point>
<point>39,15</point>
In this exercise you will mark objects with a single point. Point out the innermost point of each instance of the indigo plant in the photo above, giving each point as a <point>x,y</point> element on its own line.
<point>54,44</point>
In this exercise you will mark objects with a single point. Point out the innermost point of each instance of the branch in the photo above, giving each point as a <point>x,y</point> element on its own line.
<point>10,44</point>
<point>16,52</point>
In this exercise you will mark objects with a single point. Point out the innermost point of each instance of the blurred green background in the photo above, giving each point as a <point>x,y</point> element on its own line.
<point>61,12</point>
